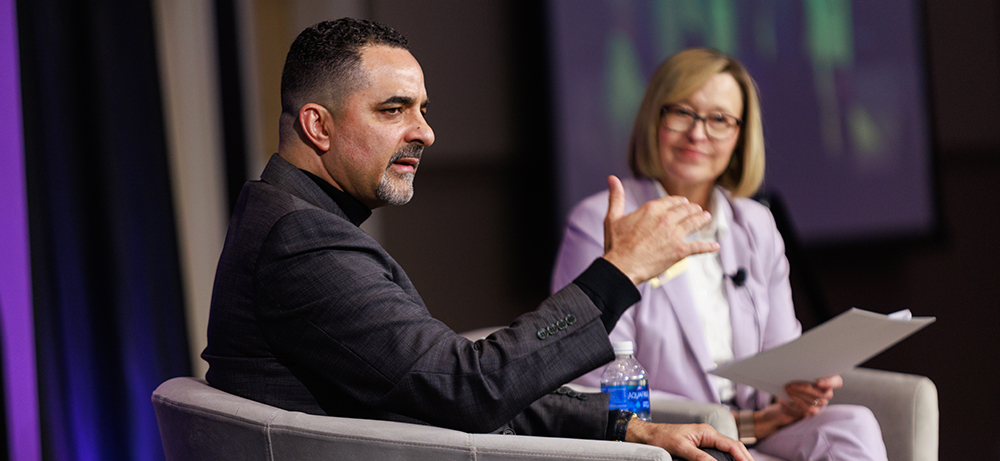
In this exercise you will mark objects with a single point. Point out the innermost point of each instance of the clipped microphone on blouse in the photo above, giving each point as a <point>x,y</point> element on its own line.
<point>739,278</point>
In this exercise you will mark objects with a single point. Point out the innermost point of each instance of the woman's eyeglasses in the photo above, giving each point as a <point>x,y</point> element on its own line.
<point>681,119</point>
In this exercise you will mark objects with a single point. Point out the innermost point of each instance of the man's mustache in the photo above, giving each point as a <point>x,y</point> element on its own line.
<point>410,151</point>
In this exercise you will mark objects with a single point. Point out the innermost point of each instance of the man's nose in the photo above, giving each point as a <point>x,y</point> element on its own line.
<point>421,132</point>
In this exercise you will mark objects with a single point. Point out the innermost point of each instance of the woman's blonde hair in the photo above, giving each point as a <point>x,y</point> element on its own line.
<point>676,79</point>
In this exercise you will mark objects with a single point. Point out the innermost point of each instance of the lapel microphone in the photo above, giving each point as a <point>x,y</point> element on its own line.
<point>739,278</point>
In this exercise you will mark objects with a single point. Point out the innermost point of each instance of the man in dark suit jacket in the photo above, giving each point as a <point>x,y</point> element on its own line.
<point>310,314</point>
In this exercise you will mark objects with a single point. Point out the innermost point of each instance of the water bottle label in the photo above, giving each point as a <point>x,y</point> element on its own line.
<point>638,399</point>
<point>633,397</point>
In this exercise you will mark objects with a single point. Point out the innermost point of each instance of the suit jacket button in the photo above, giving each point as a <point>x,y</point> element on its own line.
<point>561,324</point>
<point>570,319</point>
<point>543,333</point>
<point>552,330</point>
<point>508,431</point>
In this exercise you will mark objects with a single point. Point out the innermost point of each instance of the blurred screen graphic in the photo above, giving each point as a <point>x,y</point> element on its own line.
<point>843,96</point>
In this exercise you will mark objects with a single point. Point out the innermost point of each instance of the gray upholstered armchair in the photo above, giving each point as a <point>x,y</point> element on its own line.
<point>905,406</point>
<point>198,422</point>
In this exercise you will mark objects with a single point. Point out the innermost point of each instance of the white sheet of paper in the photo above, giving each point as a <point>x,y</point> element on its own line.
<point>834,347</point>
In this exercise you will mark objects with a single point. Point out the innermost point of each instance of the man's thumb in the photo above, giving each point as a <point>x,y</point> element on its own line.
<point>616,198</point>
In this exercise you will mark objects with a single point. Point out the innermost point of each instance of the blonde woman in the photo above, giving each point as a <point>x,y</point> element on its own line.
<point>698,135</point>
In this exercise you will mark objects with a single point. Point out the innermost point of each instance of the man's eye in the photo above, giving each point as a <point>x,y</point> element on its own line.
<point>392,110</point>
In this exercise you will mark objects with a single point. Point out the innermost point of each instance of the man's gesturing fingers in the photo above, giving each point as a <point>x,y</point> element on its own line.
<point>646,242</point>
<point>699,247</point>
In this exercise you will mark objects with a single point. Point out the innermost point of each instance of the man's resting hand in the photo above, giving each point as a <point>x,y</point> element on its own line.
<point>683,440</point>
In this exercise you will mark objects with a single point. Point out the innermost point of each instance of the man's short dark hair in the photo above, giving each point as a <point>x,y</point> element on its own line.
<point>323,64</point>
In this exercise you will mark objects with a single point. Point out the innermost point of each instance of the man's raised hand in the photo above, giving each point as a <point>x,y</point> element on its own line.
<point>646,242</point>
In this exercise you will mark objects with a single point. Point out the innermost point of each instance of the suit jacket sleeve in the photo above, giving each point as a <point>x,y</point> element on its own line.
<point>331,300</point>
<point>564,413</point>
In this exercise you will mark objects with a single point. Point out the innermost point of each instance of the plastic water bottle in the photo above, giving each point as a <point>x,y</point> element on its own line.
<point>625,381</point>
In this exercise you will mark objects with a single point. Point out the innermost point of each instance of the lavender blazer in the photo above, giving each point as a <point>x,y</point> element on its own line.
<point>667,331</point>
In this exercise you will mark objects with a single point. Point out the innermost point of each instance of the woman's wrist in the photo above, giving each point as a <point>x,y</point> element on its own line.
<point>746,427</point>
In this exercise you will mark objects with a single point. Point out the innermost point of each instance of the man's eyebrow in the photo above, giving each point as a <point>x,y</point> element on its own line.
<point>401,100</point>
<point>404,101</point>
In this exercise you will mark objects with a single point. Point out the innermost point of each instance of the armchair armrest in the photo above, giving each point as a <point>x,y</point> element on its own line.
<point>493,447</point>
<point>905,405</point>
<point>314,437</point>
<point>685,412</point>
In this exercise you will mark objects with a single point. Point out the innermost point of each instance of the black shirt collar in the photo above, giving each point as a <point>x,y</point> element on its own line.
<point>356,211</point>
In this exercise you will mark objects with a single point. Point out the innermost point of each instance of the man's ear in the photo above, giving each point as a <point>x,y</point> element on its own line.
<point>315,121</point>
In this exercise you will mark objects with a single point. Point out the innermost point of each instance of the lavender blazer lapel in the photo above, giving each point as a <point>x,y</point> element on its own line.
<point>677,294</point>
<point>735,254</point>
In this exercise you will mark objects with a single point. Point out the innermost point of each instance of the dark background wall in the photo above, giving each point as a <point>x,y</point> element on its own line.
<point>479,244</point>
